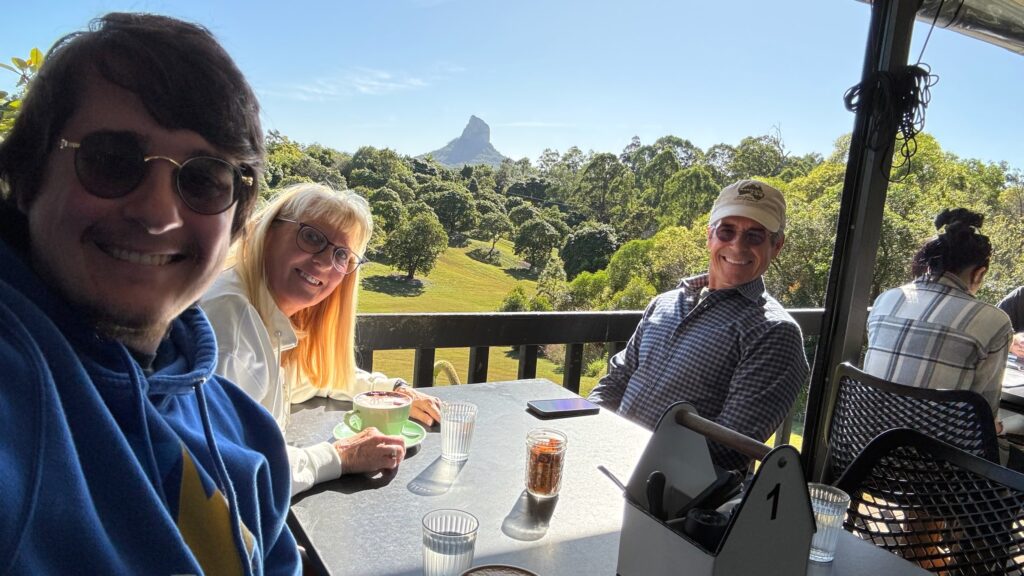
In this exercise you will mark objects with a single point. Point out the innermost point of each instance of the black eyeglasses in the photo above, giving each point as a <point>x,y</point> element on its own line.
<point>313,241</point>
<point>112,164</point>
<point>751,237</point>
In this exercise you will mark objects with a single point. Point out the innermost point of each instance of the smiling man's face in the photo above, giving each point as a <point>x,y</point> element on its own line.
<point>737,262</point>
<point>132,263</point>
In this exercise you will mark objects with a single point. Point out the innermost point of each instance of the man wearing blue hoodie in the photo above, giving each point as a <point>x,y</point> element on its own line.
<point>133,162</point>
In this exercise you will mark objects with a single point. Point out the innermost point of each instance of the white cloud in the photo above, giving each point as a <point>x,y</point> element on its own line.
<point>369,81</point>
<point>362,81</point>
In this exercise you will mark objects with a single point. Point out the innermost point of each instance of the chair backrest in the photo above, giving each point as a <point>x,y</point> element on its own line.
<point>866,406</point>
<point>931,503</point>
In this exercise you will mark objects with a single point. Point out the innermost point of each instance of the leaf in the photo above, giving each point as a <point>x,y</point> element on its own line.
<point>35,59</point>
<point>6,67</point>
<point>21,64</point>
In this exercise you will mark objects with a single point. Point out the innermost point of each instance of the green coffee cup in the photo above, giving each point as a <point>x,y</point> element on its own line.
<point>385,411</point>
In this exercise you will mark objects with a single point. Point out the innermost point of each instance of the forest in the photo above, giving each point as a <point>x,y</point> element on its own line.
<point>605,230</point>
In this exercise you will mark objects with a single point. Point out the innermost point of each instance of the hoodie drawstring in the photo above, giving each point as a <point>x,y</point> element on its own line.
<point>224,481</point>
<point>285,387</point>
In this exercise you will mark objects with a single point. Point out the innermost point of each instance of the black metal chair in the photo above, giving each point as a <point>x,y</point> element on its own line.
<point>866,406</point>
<point>949,511</point>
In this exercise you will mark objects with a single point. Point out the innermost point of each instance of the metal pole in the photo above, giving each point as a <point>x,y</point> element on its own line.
<point>858,229</point>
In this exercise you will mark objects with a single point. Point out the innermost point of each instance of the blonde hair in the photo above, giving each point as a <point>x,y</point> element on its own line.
<point>325,354</point>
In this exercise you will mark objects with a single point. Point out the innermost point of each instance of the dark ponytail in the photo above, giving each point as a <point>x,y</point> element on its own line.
<point>959,247</point>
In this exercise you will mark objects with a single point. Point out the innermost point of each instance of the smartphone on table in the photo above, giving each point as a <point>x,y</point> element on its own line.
<point>562,407</point>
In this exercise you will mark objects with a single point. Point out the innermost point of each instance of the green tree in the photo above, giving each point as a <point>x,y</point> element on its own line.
<point>635,156</point>
<point>760,156</point>
<point>486,206</point>
<point>657,172</point>
<point>685,152</point>
<point>455,209</point>
<point>689,195</point>
<point>10,104</point>
<point>533,188</point>
<point>534,241</point>
<point>541,303</point>
<point>492,227</point>
<point>416,244</point>
<point>588,249</point>
<point>374,168</point>
<point>676,252</point>
<point>605,183</point>
<point>388,215</point>
<point>552,286</point>
<point>589,290</point>
<point>631,260</point>
<point>515,300</point>
<point>523,213</point>
<point>718,160</point>
<point>289,162</point>
<point>635,296</point>
<point>552,215</point>
<point>384,194</point>
<point>512,171</point>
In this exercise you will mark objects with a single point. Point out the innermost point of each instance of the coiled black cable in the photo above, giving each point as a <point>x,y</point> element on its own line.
<point>901,98</point>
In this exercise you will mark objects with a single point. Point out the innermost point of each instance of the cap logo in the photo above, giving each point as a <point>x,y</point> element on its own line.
<point>751,189</point>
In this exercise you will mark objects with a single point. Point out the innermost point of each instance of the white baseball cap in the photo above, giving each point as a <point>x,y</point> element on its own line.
<point>751,199</point>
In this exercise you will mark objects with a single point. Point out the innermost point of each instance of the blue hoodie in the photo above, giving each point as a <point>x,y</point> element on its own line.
<point>106,470</point>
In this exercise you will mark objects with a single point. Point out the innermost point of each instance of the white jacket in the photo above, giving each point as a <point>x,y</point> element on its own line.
<point>249,355</point>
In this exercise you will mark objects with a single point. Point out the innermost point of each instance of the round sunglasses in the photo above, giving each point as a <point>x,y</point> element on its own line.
<point>752,237</point>
<point>313,241</point>
<point>113,164</point>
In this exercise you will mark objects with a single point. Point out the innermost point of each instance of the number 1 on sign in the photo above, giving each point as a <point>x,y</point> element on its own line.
<point>774,497</point>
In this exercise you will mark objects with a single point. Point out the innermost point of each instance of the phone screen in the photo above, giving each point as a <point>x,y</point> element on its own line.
<point>562,407</point>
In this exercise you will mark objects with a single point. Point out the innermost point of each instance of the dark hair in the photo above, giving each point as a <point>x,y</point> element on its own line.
<point>957,248</point>
<point>184,78</point>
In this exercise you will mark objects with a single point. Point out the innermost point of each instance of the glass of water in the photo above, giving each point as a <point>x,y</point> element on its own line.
<point>829,505</point>
<point>457,422</point>
<point>449,537</point>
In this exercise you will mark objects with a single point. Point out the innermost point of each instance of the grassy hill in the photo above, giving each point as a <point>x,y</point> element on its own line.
<point>458,283</point>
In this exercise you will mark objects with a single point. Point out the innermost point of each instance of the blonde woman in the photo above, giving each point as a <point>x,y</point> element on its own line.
<point>284,315</point>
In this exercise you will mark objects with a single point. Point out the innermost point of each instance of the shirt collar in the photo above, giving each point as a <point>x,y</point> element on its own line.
<point>753,290</point>
<point>949,280</point>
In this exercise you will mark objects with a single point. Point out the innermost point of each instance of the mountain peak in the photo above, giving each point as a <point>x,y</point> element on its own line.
<point>472,147</point>
<point>476,130</point>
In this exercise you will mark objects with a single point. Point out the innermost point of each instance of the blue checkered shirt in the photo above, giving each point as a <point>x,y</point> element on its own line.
<point>735,354</point>
<point>935,334</point>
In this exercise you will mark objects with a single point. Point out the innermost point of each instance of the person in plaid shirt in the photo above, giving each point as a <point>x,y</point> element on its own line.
<point>933,332</point>
<point>718,341</point>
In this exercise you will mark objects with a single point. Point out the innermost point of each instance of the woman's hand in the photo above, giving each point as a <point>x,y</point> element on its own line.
<point>370,451</point>
<point>425,408</point>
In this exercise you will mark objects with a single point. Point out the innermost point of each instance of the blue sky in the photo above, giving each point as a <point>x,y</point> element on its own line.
<point>407,74</point>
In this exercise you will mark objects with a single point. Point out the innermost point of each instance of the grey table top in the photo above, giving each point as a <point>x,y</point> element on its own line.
<point>358,525</point>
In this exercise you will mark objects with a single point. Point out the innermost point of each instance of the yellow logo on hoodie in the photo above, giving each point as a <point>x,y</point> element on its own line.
<point>205,524</point>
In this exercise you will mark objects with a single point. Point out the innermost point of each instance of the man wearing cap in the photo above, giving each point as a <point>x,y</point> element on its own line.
<point>718,341</point>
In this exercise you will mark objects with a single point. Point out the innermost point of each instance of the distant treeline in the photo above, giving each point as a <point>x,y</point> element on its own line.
<point>608,231</point>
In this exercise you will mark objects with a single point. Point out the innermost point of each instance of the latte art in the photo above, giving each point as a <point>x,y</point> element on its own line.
<point>382,399</point>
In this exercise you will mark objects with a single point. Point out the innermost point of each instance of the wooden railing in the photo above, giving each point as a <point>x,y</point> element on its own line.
<point>527,331</point>
<point>425,333</point>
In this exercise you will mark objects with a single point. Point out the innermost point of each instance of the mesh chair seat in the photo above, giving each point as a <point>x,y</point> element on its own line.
<point>866,406</point>
<point>931,503</point>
